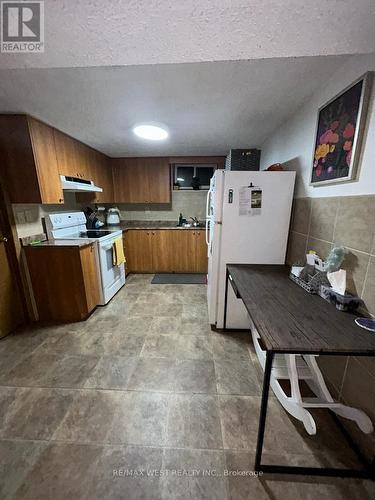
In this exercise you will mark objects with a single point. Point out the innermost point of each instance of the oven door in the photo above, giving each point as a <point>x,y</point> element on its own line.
<point>113,277</point>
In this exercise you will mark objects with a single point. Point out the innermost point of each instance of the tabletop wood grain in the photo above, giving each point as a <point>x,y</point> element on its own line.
<point>289,319</point>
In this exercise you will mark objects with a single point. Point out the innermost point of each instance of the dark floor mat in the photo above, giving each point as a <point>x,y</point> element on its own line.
<point>179,279</point>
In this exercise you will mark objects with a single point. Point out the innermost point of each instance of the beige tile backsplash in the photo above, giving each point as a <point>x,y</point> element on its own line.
<point>323,217</point>
<point>319,224</point>
<point>189,203</point>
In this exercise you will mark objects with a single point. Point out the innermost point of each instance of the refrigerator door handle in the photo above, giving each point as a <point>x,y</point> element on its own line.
<point>207,228</point>
<point>208,203</point>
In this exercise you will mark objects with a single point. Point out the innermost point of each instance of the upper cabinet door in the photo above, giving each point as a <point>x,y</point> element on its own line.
<point>66,153</point>
<point>141,180</point>
<point>73,157</point>
<point>43,144</point>
<point>28,160</point>
<point>103,178</point>
<point>130,180</point>
<point>100,171</point>
<point>159,180</point>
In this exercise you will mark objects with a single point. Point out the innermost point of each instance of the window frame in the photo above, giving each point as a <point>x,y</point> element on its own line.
<point>194,166</point>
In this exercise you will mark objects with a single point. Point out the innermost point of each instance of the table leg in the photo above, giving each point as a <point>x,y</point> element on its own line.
<point>263,409</point>
<point>367,473</point>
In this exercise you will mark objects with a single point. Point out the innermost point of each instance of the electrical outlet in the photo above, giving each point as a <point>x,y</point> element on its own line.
<point>29,216</point>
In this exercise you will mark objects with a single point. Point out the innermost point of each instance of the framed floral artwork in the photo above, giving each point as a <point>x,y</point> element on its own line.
<point>339,133</point>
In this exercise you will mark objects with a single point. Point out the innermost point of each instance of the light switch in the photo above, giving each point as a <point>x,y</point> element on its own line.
<point>29,216</point>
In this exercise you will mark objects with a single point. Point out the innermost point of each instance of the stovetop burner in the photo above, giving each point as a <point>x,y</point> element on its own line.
<point>94,234</point>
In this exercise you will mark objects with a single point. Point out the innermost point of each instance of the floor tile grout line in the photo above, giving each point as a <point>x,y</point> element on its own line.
<point>219,409</point>
<point>141,445</point>
<point>127,390</point>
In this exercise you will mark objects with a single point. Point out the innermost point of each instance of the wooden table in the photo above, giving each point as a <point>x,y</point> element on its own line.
<point>291,321</point>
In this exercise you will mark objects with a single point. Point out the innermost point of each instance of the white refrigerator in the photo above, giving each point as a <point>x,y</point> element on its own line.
<point>247,222</point>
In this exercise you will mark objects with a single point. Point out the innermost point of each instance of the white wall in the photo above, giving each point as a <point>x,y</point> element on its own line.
<point>293,143</point>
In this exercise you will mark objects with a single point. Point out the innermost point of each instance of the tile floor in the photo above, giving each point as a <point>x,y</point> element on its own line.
<point>144,401</point>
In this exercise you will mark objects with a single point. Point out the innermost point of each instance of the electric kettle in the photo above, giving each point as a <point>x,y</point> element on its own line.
<point>113,216</point>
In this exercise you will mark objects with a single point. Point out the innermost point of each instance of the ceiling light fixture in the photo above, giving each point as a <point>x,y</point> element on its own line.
<point>151,132</point>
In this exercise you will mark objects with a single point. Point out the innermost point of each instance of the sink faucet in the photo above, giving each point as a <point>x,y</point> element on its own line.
<point>195,221</point>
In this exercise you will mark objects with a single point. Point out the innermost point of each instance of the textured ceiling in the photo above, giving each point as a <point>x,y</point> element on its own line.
<point>82,33</point>
<point>208,107</point>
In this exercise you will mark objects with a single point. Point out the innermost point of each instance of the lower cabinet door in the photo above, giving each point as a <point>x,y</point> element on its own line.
<point>137,249</point>
<point>201,259</point>
<point>90,277</point>
<point>184,256</point>
<point>163,250</point>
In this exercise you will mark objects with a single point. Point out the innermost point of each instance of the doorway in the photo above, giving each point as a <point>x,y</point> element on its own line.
<point>12,312</point>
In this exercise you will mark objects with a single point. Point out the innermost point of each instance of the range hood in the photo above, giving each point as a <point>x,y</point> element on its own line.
<point>78,185</point>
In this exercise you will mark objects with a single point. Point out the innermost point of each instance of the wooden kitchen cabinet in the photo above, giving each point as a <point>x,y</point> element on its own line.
<point>73,157</point>
<point>101,174</point>
<point>28,160</point>
<point>201,258</point>
<point>141,180</point>
<point>137,249</point>
<point>190,251</point>
<point>184,251</point>
<point>158,173</point>
<point>103,178</point>
<point>165,250</point>
<point>65,281</point>
<point>90,277</point>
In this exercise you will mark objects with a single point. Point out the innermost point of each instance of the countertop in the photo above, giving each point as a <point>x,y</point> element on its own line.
<point>290,320</point>
<point>62,243</point>
<point>125,225</point>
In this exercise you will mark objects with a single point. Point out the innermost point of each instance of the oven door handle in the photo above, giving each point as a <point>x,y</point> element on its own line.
<point>107,247</point>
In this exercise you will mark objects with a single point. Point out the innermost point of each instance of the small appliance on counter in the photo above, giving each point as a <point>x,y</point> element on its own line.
<point>113,216</point>
<point>92,221</point>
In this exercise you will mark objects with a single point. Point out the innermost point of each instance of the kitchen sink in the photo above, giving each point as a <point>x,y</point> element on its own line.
<point>187,225</point>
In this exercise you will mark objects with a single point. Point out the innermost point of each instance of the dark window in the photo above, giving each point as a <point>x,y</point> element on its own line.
<point>184,176</point>
<point>204,174</point>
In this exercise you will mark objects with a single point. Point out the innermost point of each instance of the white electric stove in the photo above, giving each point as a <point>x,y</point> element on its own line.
<point>72,226</point>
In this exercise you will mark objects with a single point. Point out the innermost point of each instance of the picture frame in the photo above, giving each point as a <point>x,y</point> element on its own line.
<point>339,134</point>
